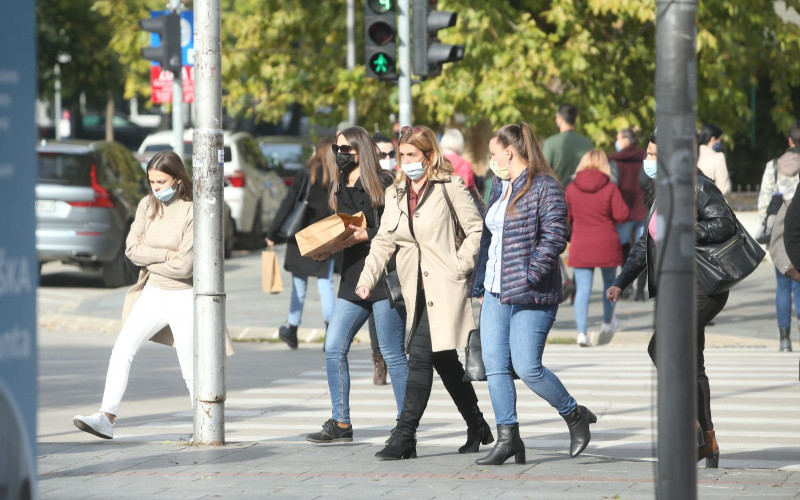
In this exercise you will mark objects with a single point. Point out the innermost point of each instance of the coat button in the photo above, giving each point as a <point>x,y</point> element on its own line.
<point>416,215</point>
<point>430,303</point>
<point>425,274</point>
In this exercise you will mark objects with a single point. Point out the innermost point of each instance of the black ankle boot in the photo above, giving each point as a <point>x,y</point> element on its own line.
<point>508,443</point>
<point>288,335</point>
<point>400,446</point>
<point>578,422</point>
<point>477,434</point>
<point>786,341</point>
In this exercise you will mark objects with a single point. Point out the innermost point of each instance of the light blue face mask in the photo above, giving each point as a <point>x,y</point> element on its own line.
<point>617,146</point>
<point>650,167</point>
<point>165,195</point>
<point>414,171</point>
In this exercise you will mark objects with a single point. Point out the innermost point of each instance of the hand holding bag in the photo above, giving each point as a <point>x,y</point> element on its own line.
<point>294,221</point>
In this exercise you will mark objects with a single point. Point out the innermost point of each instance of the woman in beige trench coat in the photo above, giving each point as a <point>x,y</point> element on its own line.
<point>418,224</point>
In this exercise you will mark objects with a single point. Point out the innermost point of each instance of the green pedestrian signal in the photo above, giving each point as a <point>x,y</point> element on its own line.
<point>379,63</point>
<point>380,46</point>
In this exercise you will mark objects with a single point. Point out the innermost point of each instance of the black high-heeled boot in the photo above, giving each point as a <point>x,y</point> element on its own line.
<point>477,434</point>
<point>402,442</point>
<point>578,422</point>
<point>508,443</point>
<point>401,446</point>
<point>786,341</point>
<point>288,335</point>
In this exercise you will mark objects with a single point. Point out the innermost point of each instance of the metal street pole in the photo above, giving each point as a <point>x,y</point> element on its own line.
<point>676,310</point>
<point>404,60</point>
<point>177,97</point>
<point>209,280</point>
<point>57,121</point>
<point>352,117</point>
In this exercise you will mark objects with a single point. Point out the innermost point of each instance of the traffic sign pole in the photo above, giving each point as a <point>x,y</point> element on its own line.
<point>177,98</point>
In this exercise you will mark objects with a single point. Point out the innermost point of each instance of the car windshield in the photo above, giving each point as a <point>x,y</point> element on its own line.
<point>289,156</point>
<point>64,169</point>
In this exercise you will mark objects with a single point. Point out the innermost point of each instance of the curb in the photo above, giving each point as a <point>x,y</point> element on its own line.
<point>71,322</point>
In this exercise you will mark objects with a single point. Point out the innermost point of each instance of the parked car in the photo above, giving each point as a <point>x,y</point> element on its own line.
<point>251,188</point>
<point>286,154</point>
<point>86,199</point>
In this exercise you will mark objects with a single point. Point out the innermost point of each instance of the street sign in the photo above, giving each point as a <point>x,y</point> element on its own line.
<point>18,259</point>
<point>161,84</point>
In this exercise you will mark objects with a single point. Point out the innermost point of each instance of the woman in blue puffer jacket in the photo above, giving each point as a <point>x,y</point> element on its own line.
<point>518,275</point>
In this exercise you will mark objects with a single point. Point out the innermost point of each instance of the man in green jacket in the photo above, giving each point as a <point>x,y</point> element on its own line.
<point>564,150</point>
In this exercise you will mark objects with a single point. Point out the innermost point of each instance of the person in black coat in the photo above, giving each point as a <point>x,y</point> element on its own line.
<point>309,184</point>
<point>715,223</point>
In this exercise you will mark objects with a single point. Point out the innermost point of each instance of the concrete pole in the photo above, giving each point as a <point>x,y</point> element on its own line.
<point>177,98</point>
<point>404,60</point>
<point>676,310</point>
<point>352,117</point>
<point>57,121</point>
<point>209,279</point>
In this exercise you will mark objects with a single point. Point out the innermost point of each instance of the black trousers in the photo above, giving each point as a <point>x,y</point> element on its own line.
<point>373,335</point>
<point>708,306</point>
<point>421,363</point>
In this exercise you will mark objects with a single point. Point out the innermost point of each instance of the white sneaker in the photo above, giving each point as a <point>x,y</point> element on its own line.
<point>583,340</point>
<point>97,424</point>
<point>610,327</point>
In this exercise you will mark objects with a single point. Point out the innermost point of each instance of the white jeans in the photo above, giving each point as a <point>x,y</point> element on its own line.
<point>155,309</point>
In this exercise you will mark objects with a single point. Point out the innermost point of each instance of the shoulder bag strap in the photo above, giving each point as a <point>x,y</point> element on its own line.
<point>452,210</point>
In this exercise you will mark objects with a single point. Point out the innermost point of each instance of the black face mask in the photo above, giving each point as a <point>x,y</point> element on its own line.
<point>346,162</point>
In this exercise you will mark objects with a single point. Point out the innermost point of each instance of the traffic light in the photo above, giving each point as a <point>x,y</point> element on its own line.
<point>168,52</point>
<point>429,54</point>
<point>380,24</point>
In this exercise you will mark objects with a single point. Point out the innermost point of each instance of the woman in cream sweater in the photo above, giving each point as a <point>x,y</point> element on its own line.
<point>160,303</point>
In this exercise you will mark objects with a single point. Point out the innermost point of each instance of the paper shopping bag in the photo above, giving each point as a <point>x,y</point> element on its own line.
<point>323,236</point>
<point>270,272</point>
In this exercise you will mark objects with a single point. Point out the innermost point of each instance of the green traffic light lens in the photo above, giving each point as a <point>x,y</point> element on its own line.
<point>381,6</point>
<point>381,63</point>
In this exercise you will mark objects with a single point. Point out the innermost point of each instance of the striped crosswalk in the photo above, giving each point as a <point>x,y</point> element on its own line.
<point>756,406</point>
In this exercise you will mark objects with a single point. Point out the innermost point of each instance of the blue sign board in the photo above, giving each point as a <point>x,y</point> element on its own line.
<point>18,261</point>
<point>187,36</point>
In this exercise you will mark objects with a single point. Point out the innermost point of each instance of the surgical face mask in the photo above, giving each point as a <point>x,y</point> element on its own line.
<point>165,195</point>
<point>649,167</point>
<point>388,163</point>
<point>618,146</point>
<point>414,170</point>
<point>717,146</point>
<point>346,162</point>
<point>500,172</point>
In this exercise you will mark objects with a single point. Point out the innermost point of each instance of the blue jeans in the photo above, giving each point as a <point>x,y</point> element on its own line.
<point>583,290</point>
<point>630,228</point>
<point>348,318</point>
<point>299,287</point>
<point>514,335</point>
<point>783,299</point>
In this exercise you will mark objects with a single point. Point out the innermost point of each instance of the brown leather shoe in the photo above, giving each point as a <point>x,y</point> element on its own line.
<point>379,377</point>
<point>709,451</point>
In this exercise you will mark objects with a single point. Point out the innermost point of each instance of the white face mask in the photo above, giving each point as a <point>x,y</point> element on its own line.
<point>388,163</point>
<point>650,167</point>
<point>414,171</point>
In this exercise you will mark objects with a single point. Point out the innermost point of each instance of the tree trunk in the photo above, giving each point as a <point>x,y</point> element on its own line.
<point>110,117</point>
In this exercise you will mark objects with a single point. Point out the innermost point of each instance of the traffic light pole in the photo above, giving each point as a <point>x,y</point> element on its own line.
<point>404,61</point>
<point>177,98</point>
<point>676,309</point>
<point>352,117</point>
<point>209,280</point>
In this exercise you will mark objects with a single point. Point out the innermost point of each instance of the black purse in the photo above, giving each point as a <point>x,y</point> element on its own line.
<point>474,369</point>
<point>720,266</point>
<point>391,283</point>
<point>294,221</point>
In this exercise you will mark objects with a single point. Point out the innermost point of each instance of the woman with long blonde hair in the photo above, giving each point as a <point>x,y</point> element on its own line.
<point>595,205</point>
<point>423,207</point>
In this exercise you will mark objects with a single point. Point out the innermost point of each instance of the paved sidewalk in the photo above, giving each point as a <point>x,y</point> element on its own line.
<point>306,471</point>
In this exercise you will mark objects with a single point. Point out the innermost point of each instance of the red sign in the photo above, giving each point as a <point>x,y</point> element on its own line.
<point>161,84</point>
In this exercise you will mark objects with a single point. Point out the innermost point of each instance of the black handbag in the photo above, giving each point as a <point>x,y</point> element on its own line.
<point>294,221</point>
<point>391,283</point>
<point>765,231</point>
<point>720,266</point>
<point>474,369</point>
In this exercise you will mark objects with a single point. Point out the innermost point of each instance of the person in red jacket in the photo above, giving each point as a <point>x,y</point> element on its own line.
<point>595,205</point>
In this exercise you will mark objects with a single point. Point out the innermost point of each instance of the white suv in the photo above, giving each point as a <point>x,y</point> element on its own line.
<point>251,189</point>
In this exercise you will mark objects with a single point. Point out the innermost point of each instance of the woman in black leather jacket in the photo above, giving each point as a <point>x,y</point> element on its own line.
<point>715,223</point>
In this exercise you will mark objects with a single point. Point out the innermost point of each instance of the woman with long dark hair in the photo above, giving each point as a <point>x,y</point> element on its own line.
<point>311,184</point>
<point>160,306</point>
<point>518,276</point>
<point>358,187</point>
